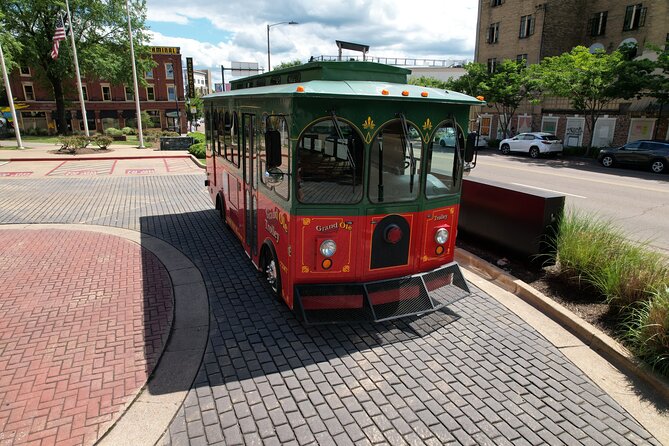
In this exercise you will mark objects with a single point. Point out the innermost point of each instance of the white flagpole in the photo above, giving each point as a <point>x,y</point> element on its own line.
<point>8,87</point>
<point>134,79</point>
<point>76,69</point>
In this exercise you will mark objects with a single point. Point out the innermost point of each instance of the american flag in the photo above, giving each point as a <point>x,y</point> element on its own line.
<point>58,35</point>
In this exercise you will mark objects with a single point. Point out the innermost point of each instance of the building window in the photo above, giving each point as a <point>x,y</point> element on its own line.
<point>494,3</point>
<point>493,33</point>
<point>106,93</point>
<point>171,93</point>
<point>149,74</point>
<point>84,91</point>
<point>169,70</point>
<point>522,58</point>
<point>129,94</point>
<point>150,94</point>
<point>635,17</point>
<point>28,92</point>
<point>25,71</point>
<point>492,64</point>
<point>597,24</point>
<point>526,26</point>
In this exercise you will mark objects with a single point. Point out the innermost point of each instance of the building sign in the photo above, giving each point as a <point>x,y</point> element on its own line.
<point>641,128</point>
<point>190,77</point>
<point>165,50</point>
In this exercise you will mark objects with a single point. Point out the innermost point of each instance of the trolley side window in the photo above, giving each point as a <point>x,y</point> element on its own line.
<point>442,162</point>
<point>329,165</point>
<point>394,171</point>
<point>276,125</point>
<point>232,138</point>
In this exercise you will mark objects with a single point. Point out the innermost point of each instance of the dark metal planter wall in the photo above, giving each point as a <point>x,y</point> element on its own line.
<point>516,218</point>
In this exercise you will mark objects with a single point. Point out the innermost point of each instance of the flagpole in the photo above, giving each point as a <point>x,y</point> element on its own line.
<point>134,80</point>
<point>8,87</point>
<point>76,69</point>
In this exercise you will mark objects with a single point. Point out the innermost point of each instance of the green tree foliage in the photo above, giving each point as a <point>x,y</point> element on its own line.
<point>504,89</point>
<point>292,63</point>
<point>428,81</point>
<point>591,81</point>
<point>101,35</point>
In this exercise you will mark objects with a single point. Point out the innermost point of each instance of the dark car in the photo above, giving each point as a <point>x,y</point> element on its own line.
<point>647,154</point>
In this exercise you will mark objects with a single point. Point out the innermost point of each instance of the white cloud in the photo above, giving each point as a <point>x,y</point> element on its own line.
<point>423,29</point>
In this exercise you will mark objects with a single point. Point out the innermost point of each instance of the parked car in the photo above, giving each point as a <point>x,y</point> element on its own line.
<point>532,143</point>
<point>647,154</point>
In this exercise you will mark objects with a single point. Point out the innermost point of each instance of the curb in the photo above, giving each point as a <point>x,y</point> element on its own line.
<point>586,332</point>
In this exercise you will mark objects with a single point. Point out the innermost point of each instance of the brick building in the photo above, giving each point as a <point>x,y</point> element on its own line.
<point>107,105</point>
<point>534,29</point>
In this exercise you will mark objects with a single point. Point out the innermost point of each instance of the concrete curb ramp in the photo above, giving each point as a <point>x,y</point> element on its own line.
<point>641,392</point>
<point>149,414</point>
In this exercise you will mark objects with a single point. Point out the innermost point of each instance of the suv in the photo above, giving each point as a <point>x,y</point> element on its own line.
<point>532,143</point>
<point>643,153</point>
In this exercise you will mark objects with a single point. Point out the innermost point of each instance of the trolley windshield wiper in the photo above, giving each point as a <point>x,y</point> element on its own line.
<point>340,135</point>
<point>406,141</point>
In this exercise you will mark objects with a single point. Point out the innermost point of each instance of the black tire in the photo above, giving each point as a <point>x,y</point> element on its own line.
<point>505,149</point>
<point>658,165</point>
<point>442,143</point>
<point>269,266</point>
<point>534,152</point>
<point>607,161</point>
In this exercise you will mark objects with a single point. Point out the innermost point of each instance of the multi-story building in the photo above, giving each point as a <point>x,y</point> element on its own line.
<point>107,105</point>
<point>533,29</point>
<point>202,82</point>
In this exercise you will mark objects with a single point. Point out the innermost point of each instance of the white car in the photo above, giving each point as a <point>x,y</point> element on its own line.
<point>532,143</point>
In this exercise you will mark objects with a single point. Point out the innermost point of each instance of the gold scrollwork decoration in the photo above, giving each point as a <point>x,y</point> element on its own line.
<point>427,125</point>
<point>306,221</point>
<point>368,124</point>
<point>305,269</point>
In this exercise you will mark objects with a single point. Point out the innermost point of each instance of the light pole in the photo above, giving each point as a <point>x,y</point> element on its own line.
<point>269,68</point>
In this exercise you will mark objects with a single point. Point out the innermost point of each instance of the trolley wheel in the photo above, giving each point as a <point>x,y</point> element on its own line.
<point>607,161</point>
<point>534,152</point>
<point>505,149</point>
<point>658,166</point>
<point>269,266</point>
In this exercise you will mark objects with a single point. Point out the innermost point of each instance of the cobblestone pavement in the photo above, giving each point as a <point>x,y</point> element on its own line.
<point>76,342</point>
<point>476,374</point>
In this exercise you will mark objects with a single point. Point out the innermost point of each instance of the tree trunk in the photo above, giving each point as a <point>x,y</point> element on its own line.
<point>59,96</point>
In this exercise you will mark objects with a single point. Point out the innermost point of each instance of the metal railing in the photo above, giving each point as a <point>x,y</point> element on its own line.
<point>398,61</point>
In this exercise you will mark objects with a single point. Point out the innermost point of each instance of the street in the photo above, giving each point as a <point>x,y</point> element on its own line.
<point>635,200</point>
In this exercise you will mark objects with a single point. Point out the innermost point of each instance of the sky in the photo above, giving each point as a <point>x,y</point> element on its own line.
<point>215,33</point>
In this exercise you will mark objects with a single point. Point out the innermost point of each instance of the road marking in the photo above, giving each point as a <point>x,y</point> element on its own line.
<point>548,190</point>
<point>593,180</point>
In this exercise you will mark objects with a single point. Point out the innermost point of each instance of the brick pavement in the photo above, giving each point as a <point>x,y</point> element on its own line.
<point>85,317</point>
<point>476,375</point>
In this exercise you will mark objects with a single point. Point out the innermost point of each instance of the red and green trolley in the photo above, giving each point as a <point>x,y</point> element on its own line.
<point>342,183</point>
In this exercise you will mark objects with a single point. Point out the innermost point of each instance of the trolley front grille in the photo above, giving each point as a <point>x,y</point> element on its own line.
<point>381,300</point>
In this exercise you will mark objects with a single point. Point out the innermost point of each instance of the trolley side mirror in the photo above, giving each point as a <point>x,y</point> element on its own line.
<point>470,147</point>
<point>272,149</point>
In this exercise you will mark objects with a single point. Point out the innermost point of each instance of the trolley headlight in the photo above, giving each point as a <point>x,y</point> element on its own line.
<point>441,236</point>
<point>328,248</point>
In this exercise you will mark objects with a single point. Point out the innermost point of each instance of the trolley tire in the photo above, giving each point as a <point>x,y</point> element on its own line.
<point>269,267</point>
<point>658,166</point>
<point>505,149</point>
<point>607,161</point>
<point>534,152</point>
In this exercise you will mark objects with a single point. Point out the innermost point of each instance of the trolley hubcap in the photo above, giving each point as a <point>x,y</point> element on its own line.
<point>270,273</point>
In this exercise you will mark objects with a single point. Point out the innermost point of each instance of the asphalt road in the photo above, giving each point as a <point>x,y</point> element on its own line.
<point>635,200</point>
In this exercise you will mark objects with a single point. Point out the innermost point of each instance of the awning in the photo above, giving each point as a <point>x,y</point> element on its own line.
<point>172,114</point>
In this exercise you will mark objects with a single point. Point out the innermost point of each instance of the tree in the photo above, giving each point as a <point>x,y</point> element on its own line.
<point>504,89</point>
<point>428,81</point>
<point>293,63</point>
<point>591,81</point>
<point>101,36</point>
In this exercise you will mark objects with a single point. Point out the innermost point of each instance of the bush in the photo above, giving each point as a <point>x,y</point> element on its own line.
<point>169,133</point>
<point>72,143</point>
<point>198,136</point>
<point>595,251</point>
<point>647,331</point>
<point>198,150</point>
<point>102,141</point>
<point>113,132</point>
<point>493,143</point>
<point>128,131</point>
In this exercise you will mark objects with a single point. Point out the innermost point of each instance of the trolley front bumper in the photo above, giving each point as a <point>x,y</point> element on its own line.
<point>381,300</point>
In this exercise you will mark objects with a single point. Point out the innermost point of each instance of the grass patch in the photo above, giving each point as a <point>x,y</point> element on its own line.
<point>592,252</point>
<point>9,147</point>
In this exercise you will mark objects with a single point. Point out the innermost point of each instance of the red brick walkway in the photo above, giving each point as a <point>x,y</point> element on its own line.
<point>83,320</point>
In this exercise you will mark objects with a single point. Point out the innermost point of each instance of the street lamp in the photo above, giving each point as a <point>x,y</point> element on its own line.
<point>268,27</point>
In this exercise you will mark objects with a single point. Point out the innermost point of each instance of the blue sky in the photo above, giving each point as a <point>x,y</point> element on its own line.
<point>216,33</point>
